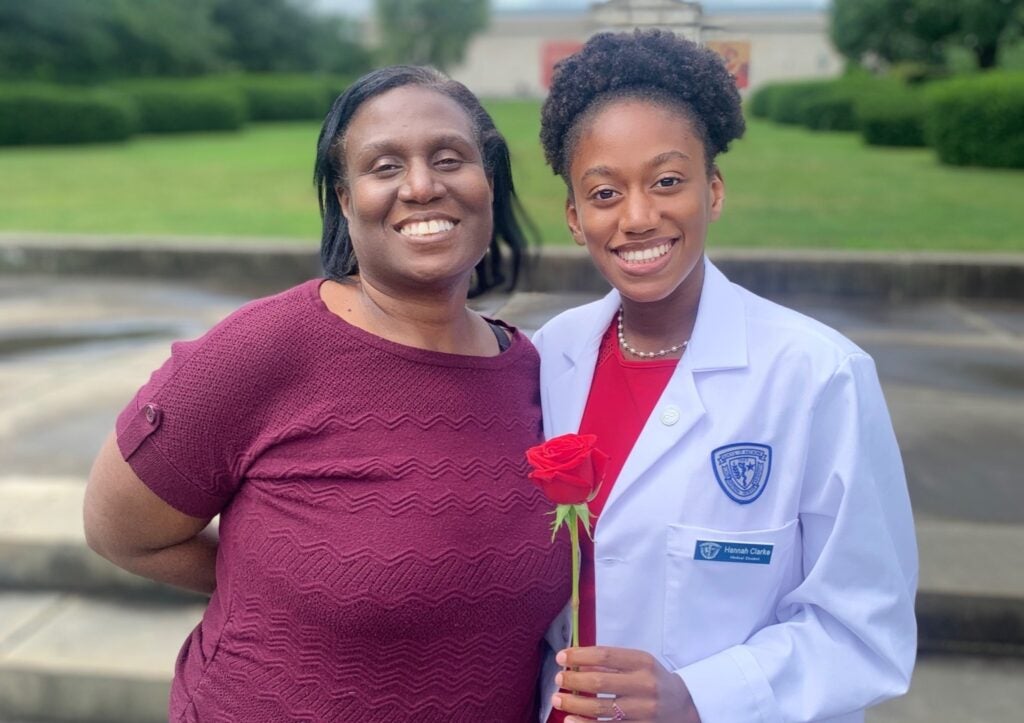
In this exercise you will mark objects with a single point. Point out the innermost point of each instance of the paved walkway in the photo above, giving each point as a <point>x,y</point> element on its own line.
<point>80,640</point>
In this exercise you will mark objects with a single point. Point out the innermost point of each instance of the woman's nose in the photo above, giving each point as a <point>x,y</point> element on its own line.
<point>640,214</point>
<point>420,185</point>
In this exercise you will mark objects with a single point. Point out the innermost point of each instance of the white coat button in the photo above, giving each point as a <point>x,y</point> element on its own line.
<point>670,416</point>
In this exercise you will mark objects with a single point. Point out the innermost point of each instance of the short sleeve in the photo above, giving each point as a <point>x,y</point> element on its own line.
<point>188,431</point>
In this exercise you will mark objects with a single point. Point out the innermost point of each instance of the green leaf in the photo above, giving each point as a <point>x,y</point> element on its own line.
<point>561,514</point>
<point>584,514</point>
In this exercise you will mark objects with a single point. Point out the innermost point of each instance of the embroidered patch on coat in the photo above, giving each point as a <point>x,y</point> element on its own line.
<point>742,470</point>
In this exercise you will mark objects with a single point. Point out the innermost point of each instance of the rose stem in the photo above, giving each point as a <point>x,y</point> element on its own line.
<point>574,537</point>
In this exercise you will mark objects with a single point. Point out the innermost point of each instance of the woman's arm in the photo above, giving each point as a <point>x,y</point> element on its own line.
<point>129,525</point>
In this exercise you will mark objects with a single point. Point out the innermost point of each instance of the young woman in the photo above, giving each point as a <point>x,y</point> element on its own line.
<point>754,555</point>
<point>362,439</point>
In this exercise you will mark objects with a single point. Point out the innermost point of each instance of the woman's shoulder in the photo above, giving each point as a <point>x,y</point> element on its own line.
<point>577,314</point>
<point>789,349</point>
<point>257,333</point>
<point>275,313</point>
<point>269,318</point>
<point>775,326</point>
<point>566,326</point>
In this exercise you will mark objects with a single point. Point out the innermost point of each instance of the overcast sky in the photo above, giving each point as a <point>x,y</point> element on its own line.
<point>511,4</point>
<point>361,6</point>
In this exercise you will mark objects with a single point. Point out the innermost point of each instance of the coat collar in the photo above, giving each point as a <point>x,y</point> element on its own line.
<point>718,342</point>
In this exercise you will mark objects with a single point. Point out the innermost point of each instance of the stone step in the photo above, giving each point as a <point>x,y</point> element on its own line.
<point>42,544</point>
<point>70,658</point>
<point>971,596</point>
<point>266,265</point>
<point>65,657</point>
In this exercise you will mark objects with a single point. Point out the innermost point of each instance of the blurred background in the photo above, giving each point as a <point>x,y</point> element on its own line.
<point>151,151</point>
<point>199,117</point>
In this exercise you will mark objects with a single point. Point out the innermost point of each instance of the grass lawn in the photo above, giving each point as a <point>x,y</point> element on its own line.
<point>787,187</point>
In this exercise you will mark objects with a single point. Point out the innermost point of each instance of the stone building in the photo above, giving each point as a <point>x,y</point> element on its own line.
<point>515,55</point>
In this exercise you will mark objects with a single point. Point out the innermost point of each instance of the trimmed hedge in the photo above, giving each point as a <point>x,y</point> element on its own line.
<point>336,85</point>
<point>831,109</point>
<point>893,118</point>
<point>786,101</point>
<point>817,104</point>
<point>761,101</point>
<point>179,106</point>
<point>894,110</point>
<point>40,114</point>
<point>37,113</point>
<point>281,97</point>
<point>978,120</point>
<point>273,98</point>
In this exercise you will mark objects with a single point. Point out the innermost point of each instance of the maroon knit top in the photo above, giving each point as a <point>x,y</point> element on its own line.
<point>382,556</point>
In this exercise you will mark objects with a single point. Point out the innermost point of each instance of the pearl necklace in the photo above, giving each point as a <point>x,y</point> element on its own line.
<point>646,354</point>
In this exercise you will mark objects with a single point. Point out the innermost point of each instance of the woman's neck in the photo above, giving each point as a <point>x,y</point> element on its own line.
<point>436,321</point>
<point>650,326</point>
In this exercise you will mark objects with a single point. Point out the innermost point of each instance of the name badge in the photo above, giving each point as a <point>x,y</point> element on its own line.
<point>724,551</point>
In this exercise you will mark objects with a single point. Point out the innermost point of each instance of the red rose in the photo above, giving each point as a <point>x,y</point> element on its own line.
<point>569,469</point>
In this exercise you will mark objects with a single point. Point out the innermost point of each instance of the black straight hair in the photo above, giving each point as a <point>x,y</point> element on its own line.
<point>336,253</point>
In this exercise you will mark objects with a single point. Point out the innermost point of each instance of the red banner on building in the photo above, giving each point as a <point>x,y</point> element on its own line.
<point>550,53</point>
<point>736,54</point>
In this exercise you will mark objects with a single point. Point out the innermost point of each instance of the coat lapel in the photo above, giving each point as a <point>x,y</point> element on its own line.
<point>678,410</point>
<point>718,342</point>
<point>569,387</point>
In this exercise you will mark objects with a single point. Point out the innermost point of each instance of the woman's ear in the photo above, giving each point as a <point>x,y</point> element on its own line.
<point>572,218</point>
<point>344,200</point>
<point>717,193</point>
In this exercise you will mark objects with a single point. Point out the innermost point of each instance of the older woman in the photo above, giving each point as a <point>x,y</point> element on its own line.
<point>378,539</point>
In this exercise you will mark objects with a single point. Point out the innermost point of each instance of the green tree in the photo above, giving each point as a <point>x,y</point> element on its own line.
<point>94,40</point>
<point>921,30</point>
<point>877,27</point>
<point>429,32</point>
<point>71,40</point>
<point>287,36</point>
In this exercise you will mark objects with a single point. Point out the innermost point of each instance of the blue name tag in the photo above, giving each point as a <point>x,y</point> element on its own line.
<point>724,551</point>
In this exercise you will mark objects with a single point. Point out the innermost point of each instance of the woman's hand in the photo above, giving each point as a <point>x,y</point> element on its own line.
<point>644,690</point>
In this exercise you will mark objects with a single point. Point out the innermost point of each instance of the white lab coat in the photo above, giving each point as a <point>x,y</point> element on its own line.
<point>826,628</point>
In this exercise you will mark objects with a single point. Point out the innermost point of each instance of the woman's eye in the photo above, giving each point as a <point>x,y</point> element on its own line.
<point>604,194</point>
<point>449,162</point>
<point>668,182</point>
<point>385,167</point>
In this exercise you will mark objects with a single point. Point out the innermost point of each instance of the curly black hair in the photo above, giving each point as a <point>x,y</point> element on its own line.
<point>654,65</point>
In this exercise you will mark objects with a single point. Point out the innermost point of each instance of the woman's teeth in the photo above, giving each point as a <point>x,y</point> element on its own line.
<point>635,257</point>
<point>426,228</point>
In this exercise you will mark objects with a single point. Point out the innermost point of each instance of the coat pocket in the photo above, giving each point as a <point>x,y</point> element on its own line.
<point>721,586</point>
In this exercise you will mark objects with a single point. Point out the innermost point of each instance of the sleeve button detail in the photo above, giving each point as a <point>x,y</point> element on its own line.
<point>152,413</point>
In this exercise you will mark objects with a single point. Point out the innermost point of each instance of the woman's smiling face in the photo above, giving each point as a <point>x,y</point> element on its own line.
<point>642,198</point>
<point>416,196</point>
